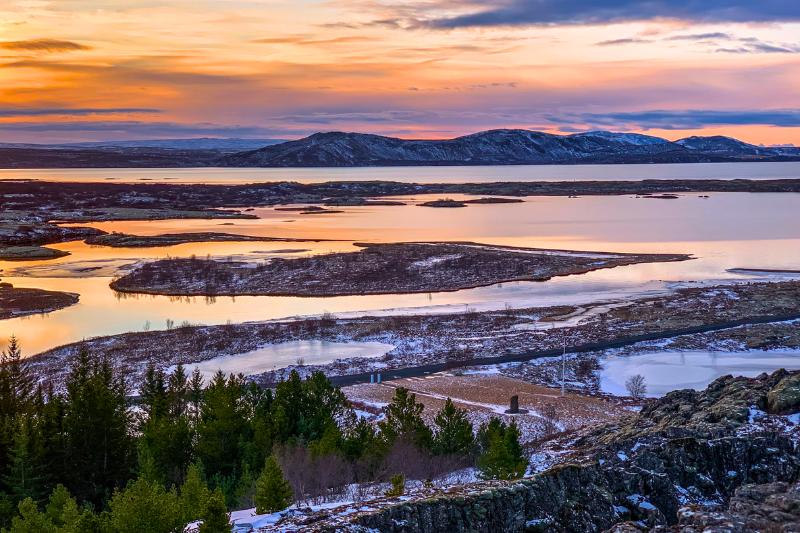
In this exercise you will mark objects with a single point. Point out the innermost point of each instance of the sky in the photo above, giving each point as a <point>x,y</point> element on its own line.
<point>88,70</point>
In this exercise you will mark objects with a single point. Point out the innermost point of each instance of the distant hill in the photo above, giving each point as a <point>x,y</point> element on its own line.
<point>201,143</point>
<point>342,149</point>
<point>146,153</point>
<point>501,147</point>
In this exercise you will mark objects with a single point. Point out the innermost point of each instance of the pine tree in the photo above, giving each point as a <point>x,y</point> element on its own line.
<point>215,519</point>
<point>501,453</point>
<point>23,477</point>
<point>58,501</point>
<point>17,382</point>
<point>404,419</point>
<point>194,494</point>
<point>273,492</point>
<point>97,430</point>
<point>196,388</point>
<point>145,506</point>
<point>178,392</point>
<point>166,438</point>
<point>246,490</point>
<point>222,427</point>
<point>30,520</point>
<point>16,395</point>
<point>455,434</point>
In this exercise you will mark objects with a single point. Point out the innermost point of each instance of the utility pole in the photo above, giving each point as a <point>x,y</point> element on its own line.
<point>563,365</point>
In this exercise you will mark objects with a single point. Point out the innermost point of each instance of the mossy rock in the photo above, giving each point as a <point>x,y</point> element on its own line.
<point>785,396</point>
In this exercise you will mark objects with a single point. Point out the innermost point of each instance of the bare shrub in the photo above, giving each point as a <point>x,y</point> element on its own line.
<point>636,386</point>
<point>550,419</point>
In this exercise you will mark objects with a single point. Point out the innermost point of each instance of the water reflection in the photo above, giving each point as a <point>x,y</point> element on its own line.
<point>422,174</point>
<point>725,231</point>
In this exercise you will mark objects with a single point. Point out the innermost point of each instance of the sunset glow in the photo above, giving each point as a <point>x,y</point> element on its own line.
<point>77,70</point>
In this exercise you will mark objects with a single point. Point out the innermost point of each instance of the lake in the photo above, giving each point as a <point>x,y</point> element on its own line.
<point>421,174</point>
<point>725,231</point>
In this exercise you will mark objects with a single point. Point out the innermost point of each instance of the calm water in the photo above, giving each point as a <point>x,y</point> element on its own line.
<point>421,174</point>
<point>725,231</point>
<point>667,371</point>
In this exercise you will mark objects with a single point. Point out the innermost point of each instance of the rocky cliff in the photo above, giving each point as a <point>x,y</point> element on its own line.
<point>675,466</point>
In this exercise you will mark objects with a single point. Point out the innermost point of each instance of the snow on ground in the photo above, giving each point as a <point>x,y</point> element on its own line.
<point>485,394</point>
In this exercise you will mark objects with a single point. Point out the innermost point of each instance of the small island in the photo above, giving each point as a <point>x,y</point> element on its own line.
<point>29,253</point>
<point>494,200</point>
<point>124,240</point>
<point>444,202</point>
<point>17,302</point>
<point>376,269</point>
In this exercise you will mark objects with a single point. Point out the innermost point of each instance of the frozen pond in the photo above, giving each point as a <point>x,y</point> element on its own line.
<point>668,371</point>
<point>281,355</point>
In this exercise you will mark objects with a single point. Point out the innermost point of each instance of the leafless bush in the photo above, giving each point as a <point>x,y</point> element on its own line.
<point>550,419</point>
<point>636,386</point>
<point>314,480</point>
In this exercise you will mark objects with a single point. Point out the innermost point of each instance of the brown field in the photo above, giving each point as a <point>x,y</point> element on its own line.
<point>487,395</point>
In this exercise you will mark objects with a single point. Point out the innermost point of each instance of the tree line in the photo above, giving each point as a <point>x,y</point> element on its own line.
<point>98,456</point>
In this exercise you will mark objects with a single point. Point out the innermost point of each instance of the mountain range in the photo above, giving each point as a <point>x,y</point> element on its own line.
<point>344,149</point>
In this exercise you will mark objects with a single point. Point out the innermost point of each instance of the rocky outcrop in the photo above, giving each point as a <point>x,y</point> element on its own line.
<point>685,453</point>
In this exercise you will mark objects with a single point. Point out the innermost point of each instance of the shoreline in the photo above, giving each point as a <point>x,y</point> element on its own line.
<point>462,339</point>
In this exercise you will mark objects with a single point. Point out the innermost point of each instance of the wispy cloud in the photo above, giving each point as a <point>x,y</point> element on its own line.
<point>43,45</point>
<point>628,40</point>
<point>733,44</point>
<point>66,111</point>
<point>305,41</point>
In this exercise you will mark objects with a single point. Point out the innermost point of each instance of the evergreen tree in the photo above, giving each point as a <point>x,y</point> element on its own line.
<point>454,435</point>
<point>166,438</point>
<point>246,490</point>
<point>196,388</point>
<point>63,512</point>
<point>194,494</point>
<point>215,519</point>
<point>273,492</point>
<point>501,453</point>
<point>30,520</point>
<point>23,476</point>
<point>222,428</point>
<point>145,507</point>
<point>17,382</point>
<point>97,430</point>
<point>404,419</point>
<point>323,405</point>
<point>360,438</point>
<point>51,440</point>
<point>16,395</point>
<point>58,501</point>
<point>178,392</point>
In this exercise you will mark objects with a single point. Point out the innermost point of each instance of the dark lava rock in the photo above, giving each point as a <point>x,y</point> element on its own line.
<point>675,466</point>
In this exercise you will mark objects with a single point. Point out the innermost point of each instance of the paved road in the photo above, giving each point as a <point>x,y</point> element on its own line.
<point>619,342</point>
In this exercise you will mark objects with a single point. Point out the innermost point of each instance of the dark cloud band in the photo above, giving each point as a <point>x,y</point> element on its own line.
<point>554,12</point>
<point>681,119</point>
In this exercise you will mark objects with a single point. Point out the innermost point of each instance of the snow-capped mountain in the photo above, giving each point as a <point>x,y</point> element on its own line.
<point>499,147</point>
